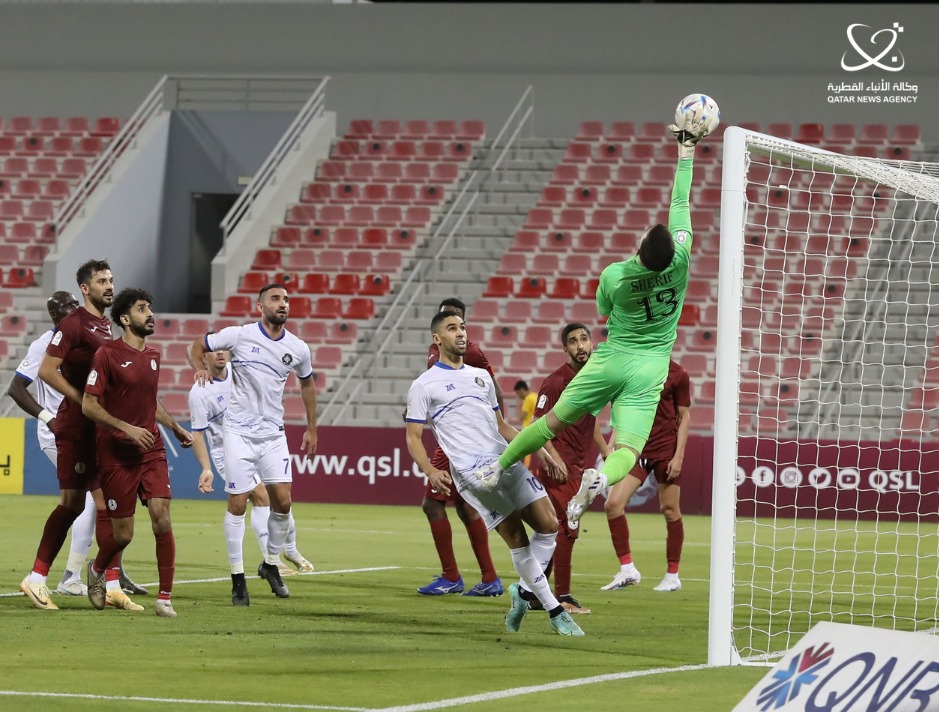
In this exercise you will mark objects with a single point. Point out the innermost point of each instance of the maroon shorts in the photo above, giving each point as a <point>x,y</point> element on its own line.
<point>560,494</point>
<point>440,461</point>
<point>645,467</point>
<point>75,460</point>
<point>123,484</point>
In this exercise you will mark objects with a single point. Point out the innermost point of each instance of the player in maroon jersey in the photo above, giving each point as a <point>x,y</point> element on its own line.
<point>571,447</point>
<point>662,457</point>
<point>121,398</point>
<point>64,368</point>
<point>435,503</point>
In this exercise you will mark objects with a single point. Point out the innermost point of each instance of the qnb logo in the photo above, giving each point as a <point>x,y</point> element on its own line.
<point>802,672</point>
<point>894,63</point>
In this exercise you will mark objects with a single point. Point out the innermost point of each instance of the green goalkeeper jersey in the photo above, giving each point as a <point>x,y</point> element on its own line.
<point>643,306</point>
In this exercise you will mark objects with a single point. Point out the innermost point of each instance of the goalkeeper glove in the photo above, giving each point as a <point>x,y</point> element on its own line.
<point>684,136</point>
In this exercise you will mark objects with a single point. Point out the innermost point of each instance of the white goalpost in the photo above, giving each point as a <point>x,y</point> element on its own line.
<point>826,469</point>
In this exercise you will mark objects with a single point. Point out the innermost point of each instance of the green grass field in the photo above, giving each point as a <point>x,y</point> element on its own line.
<point>357,639</point>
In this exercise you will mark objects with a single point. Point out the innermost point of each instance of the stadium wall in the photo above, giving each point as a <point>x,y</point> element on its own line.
<point>763,62</point>
<point>372,466</point>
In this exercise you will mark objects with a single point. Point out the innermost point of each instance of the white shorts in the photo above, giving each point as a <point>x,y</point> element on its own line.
<point>250,461</point>
<point>517,489</point>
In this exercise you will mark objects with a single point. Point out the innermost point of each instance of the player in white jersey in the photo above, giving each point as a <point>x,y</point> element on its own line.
<point>459,403</point>
<point>207,406</point>
<point>255,449</point>
<point>44,407</point>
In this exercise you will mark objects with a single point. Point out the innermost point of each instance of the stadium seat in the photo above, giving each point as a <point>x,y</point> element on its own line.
<point>532,288</point>
<point>403,193</point>
<point>487,310</point>
<point>402,239</point>
<point>525,241</point>
<point>194,328</point>
<point>583,195</point>
<point>458,151</point>
<point>472,130</point>
<point>345,238</point>
<point>7,144</point>
<point>810,133</point>
<point>333,170</point>
<point>552,196</point>
<point>578,152</point>
<point>9,255</point>
<point>343,332</point>
<point>565,288</point>
<point>40,210</point>
<point>387,128</point>
<point>328,357</point>
<point>589,242</point>
<point>252,282</point>
<point>12,326</point>
<point>571,219</point>
<point>843,134</point>
<point>90,146</point>
<point>873,133</point>
<point>905,134</point>
<point>286,236</point>
<point>72,168</point>
<point>640,153</point>
<point>328,260</point>
<point>550,312</point>
<point>289,279</point>
<point>237,305</point>
<point>545,264</point>
<point>106,126</point>
<point>440,172</point>
<point>301,307</point>
<point>629,175</point>
<point>359,128</point>
<point>577,265</point>
<point>504,335</point>
<point>585,312</point>
<point>176,404</point>
<point>359,261</point>
<point>342,193</point>
<point>499,286</point>
<point>565,174</point>
<point>444,129</point>
<point>314,283</point>
<point>552,359</point>
<point>558,241</point>
<point>404,150</point>
<point>375,285</point>
<point>517,311</point>
<point>524,362</point>
<point>590,131</point>
<point>513,263</point>
<point>431,151</point>
<point>374,238</point>
<point>327,308</point>
<point>56,189</point>
<point>622,130</point>
<point>345,283</point>
<point>615,197</point>
<point>596,174</point>
<point>33,255</point>
<point>360,308</point>
<point>301,214</point>
<point>19,277</point>
<point>266,259</point>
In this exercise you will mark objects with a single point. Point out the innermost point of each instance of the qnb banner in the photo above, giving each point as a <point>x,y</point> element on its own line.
<point>840,668</point>
<point>887,481</point>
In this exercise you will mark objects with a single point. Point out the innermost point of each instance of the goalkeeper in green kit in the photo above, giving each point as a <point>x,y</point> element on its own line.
<point>642,298</point>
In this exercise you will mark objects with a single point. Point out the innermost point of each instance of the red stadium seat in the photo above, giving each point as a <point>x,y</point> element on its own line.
<point>416,172</point>
<point>344,332</point>
<point>538,337</point>
<point>622,130</point>
<point>345,237</point>
<point>632,175</point>
<point>345,149</point>
<point>106,126</point>
<point>375,285</point>
<point>72,168</point>
<point>301,307</point>
<point>20,277</point>
<point>328,357</point>
<point>289,279</point>
<point>33,255</point>
<point>314,283</point>
<point>327,308</point>
<point>565,288</point>
<point>472,130</point>
<point>565,174</point>
<point>402,193</point>
<point>313,332</point>
<point>517,311</point>
<point>440,172</point>
<point>810,133</point>
<point>237,305</point>
<point>342,193</point>
<point>524,362</point>
<point>590,131</point>
<point>359,128</point>
<point>598,174</point>
<point>27,188</point>
<point>359,261</point>
<point>532,288</point>
<point>76,126</point>
<point>499,287</point>
<point>552,196</point>
<point>906,134</point>
<point>302,259</point>
<point>252,282</point>
<point>873,133</point>
<point>431,151</point>
<point>360,308</point>
<point>89,146</point>
<point>610,152</point>
<point>558,241</point>
<point>503,335</point>
<point>513,263</point>
<point>388,128</point>
<point>346,283</point>
<point>266,259</point>
<point>444,128</point>
<point>578,152</point>
<point>194,328</point>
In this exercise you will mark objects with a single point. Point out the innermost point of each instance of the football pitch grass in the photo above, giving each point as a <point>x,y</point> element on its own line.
<point>355,635</point>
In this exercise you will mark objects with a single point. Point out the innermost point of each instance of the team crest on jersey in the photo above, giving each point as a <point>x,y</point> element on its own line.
<point>681,237</point>
<point>153,364</point>
<point>112,505</point>
<point>92,377</point>
<point>57,338</point>
<point>480,382</point>
<point>80,468</point>
<point>287,359</point>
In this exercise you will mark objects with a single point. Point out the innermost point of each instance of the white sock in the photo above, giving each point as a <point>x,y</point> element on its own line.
<point>259,517</point>
<point>83,535</point>
<point>671,577</point>
<point>628,568</point>
<point>112,585</point>
<point>533,578</point>
<point>36,579</point>
<point>290,543</point>
<point>542,548</point>
<point>235,536</point>
<point>276,534</point>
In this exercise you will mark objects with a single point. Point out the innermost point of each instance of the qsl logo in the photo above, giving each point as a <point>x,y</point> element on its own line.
<point>802,672</point>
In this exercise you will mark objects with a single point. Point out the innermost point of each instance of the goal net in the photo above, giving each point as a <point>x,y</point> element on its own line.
<point>826,465</point>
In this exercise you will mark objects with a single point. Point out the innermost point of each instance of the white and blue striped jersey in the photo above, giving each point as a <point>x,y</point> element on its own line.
<point>459,406</point>
<point>260,366</point>
<point>207,406</point>
<point>46,396</point>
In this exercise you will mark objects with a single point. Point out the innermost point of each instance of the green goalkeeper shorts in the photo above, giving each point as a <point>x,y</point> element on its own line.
<point>632,383</point>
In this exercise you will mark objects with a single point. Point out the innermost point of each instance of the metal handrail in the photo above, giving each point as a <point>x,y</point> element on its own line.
<point>105,162</point>
<point>265,174</point>
<point>465,200</point>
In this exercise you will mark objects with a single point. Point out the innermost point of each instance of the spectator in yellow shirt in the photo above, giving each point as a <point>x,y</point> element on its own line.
<point>526,408</point>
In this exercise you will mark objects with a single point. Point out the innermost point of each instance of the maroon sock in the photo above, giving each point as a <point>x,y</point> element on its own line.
<point>674,540</point>
<point>166,562</point>
<point>619,532</point>
<point>479,540</point>
<point>443,540</point>
<point>562,564</point>
<point>54,535</point>
<point>108,550</point>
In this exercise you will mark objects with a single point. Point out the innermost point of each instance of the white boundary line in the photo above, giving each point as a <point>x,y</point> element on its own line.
<point>418,707</point>
<point>228,578</point>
